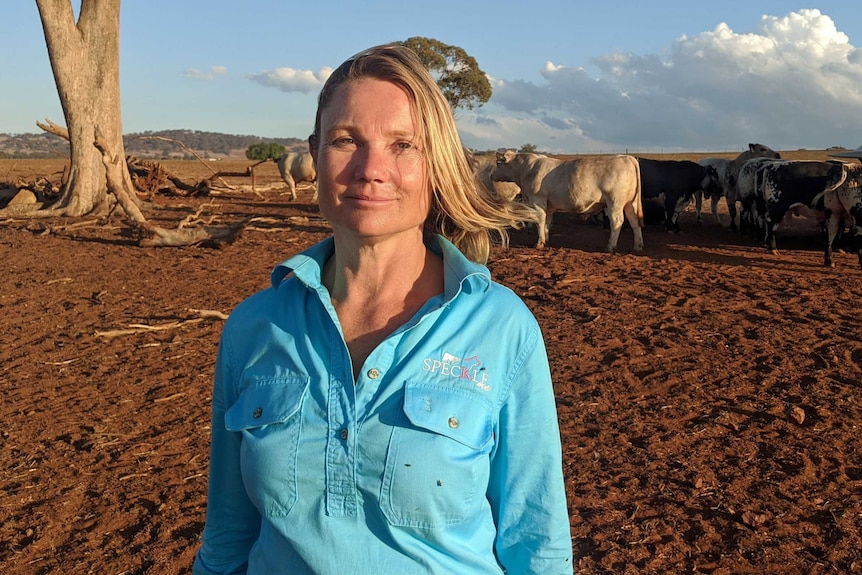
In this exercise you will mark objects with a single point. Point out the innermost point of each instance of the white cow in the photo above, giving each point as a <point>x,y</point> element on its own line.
<point>728,174</point>
<point>582,186</point>
<point>296,167</point>
<point>843,198</point>
<point>484,166</point>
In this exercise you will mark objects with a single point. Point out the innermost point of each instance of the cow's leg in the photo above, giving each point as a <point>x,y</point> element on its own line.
<point>291,186</point>
<point>772,222</point>
<point>616,217</point>
<point>698,206</point>
<point>744,215</point>
<point>543,224</point>
<point>713,204</point>
<point>754,225</point>
<point>857,231</point>
<point>673,210</point>
<point>833,220</point>
<point>669,213</point>
<point>634,222</point>
<point>731,208</point>
<point>759,217</point>
<point>857,241</point>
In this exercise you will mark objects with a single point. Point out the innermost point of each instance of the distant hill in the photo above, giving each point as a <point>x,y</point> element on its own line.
<point>147,145</point>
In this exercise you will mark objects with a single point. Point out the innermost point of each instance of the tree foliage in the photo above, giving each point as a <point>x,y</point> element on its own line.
<point>529,149</point>
<point>458,74</point>
<point>264,151</point>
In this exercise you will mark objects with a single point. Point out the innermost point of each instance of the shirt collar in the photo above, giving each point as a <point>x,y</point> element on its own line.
<point>459,272</point>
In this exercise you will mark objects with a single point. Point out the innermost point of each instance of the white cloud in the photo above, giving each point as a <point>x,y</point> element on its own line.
<point>195,74</point>
<point>795,82</point>
<point>291,80</point>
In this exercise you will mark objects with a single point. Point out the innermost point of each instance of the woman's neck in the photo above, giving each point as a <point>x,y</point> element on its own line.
<point>375,291</point>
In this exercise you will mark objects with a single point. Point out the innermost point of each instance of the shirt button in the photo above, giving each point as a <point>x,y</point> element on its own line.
<point>373,373</point>
<point>257,413</point>
<point>453,422</point>
<point>345,434</point>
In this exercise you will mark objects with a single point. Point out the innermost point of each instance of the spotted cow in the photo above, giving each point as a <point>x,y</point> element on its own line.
<point>797,186</point>
<point>728,173</point>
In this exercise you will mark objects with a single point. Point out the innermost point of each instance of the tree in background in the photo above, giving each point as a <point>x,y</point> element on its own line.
<point>85,59</point>
<point>264,151</point>
<point>463,83</point>
<point>529,149</point>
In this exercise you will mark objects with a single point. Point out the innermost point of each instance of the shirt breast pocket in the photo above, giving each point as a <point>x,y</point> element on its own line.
<point>437,464</point>
<point>267,413</point>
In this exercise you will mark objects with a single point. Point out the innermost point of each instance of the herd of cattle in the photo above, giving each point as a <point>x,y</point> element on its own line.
<point>619,186</point>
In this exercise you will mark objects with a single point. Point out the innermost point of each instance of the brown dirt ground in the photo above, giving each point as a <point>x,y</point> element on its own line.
<point>709,392</point>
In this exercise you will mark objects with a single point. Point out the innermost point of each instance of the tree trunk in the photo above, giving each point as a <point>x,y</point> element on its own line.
<point>85,59</point>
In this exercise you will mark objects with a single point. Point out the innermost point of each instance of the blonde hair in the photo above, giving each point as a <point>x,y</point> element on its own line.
<point>462,210</point>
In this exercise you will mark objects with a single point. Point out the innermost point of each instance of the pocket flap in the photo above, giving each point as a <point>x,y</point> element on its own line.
<point>266,401</point>
<point>454,413</point>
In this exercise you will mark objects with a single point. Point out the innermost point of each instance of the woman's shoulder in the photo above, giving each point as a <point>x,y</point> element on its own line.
<point>258,305</point>
<point>507,305</point>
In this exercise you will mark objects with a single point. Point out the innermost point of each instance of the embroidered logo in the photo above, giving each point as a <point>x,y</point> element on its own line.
<point>466,369</point>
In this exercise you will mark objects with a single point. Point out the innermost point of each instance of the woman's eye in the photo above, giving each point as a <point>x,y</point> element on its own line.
<point>402,146</point>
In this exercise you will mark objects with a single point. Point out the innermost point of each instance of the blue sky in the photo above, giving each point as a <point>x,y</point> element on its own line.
<point>568,75</point>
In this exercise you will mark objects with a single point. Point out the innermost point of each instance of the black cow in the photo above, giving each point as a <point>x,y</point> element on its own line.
<point>797,186</point>
<point>678,180</point>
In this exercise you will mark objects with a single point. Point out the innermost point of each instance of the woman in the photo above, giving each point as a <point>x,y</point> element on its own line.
<point>385,407</point>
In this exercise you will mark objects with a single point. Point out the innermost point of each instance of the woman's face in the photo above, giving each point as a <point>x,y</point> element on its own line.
<point>372,177</point>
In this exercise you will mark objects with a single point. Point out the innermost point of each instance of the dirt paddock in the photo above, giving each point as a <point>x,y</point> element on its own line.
<point>709,392</point>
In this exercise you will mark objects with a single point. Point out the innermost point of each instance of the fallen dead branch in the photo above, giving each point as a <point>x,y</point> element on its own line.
<point>203,314</point>
<point>209,313</point>
<point>169,398</point>
<point>158,236</point>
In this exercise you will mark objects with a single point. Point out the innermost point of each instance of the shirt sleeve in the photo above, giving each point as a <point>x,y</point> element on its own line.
<point>232,521</point>
<point>527,490</point>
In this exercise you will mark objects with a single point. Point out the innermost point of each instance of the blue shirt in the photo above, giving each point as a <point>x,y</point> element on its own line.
<point>444,457</point>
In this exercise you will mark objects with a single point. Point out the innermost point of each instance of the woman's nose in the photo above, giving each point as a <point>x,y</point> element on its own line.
<point>373,163</point>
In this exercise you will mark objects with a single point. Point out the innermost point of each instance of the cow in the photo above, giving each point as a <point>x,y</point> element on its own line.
<point>678,181</point>
<point>583,186</point>
<point>720,167</point>
<point>484,167</point>
<point>296,167</point>
<point>728,173</point>
<point>746,185</point>
<point>843,197</point>
<point>796,186</point>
